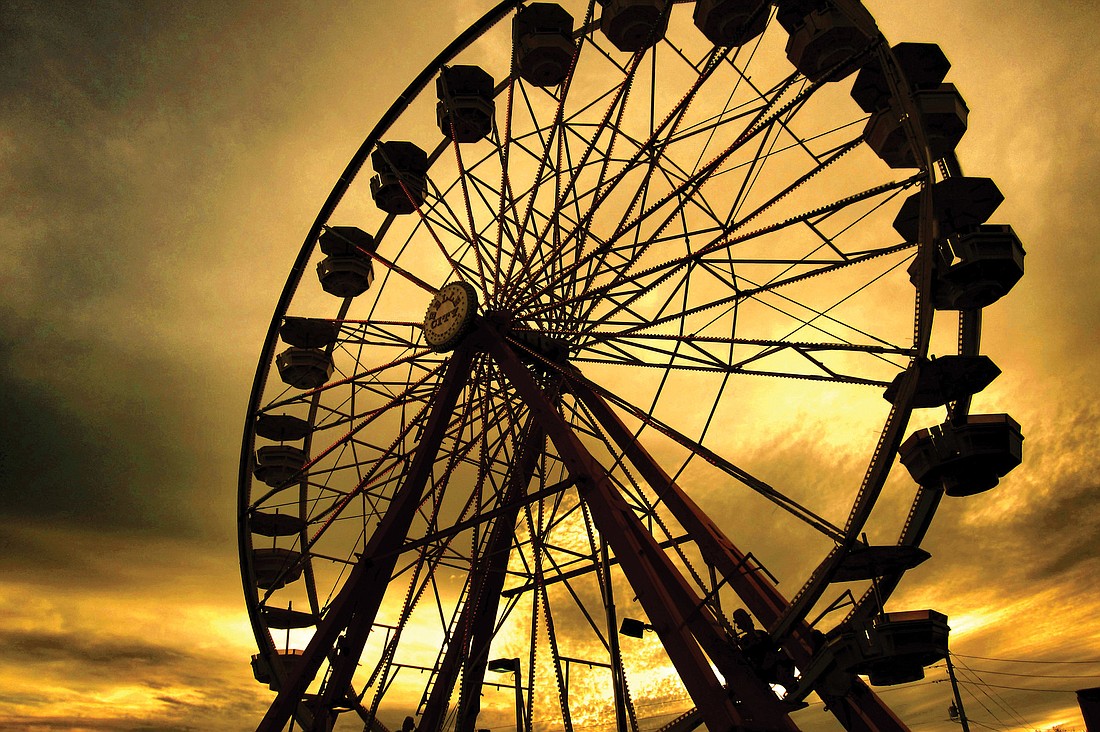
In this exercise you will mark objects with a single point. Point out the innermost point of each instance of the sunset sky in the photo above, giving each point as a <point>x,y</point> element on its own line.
<point>160,164</point>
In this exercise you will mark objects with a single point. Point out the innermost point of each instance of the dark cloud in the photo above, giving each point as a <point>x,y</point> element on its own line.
<point>75,648</point>
<point>70,723</point>
<point>1062,521</point>
<point>115,132</point>
<point>1051,515</point>
<point>1073,541</point>
<point>117,677</point>
<point>95,448</point>
<point>153,152</point>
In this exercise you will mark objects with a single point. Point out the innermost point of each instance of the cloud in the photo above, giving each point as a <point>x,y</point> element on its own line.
<point>102,632</point>
<point>68,648</point>
<point>161,166</point>
<point>113,460</point>
<point>116,316</point>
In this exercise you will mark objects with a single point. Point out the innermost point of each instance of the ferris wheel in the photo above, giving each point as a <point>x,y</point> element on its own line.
<point>618,317</point>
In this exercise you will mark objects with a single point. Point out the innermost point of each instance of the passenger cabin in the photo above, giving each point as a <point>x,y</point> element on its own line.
<point>987,262</point>
<point>731,22</point>
<point>465,107</point>
<point>276,464</point>
<point>309,332</point>
<point>542,34</point>
<point>865,562</point>
<point>304,368</point>
<point>276,568</point>
<point>290,660</point>
<point>348,270</point>
<point>400,183</point>
<point>893,648</point>
<point>827,45</point>
<point>923,65</point>
<point>959,204</point>
<point>275,524</point>
<point>634,25</point>
<point>965,458</point>
<point>281,427</point>
<point>946,379</point>
<point>286,619</point>
<point>345,276</point>
<point>342,241</point>
<point>943,116</point>
<point>792,14</point>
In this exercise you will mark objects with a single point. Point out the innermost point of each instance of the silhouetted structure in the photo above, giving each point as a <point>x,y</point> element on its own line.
<point>616,216</point>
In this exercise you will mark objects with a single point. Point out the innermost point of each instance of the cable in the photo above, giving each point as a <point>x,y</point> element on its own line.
<point>999,726</point>
<point>1017,688</point>
<point>1020,660</point>
<point>1033,676</point>
<point>995,698</point>
<point>981,703</point>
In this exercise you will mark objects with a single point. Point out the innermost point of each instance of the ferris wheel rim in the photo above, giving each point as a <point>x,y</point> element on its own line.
<point>481,26</point>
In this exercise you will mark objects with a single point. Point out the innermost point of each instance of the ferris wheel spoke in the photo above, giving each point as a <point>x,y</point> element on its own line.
<point>380,333</point>
<point>654,148</point>
<point>478,615</point>
<point>509,216</point>
<point>543,157</point>
<point>687,189</point>
<point>622,275</point>
<point>662,590</point>
<point>552,639</point>
<point>362,379</point>
<point>507,206</point>
<point>355,606</point>
<point>755,167</point>
<point>618,101</point>
<point>605,163</point>
<point>716,357</point>
<point>670,268</point>
<point>408,395</point>
<point>431,556</point>
<point>495,230</point>
<point>474,239</point>
<point>388,264</point>
<point>374,473</point>
<point>455,227</point>
<point>700,342</point>
<point>578,381</point>
<point>628,252</point>
<point>470,631</point>
<point>827,376</point>
<point>374,478</point>
<point>760,123</point>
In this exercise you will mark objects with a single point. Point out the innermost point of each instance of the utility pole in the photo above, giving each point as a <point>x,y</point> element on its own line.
<point>958,698</point>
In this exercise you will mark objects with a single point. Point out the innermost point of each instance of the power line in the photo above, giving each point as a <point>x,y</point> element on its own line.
<point>989,726</point>
<point>1022,660</point>
<point>995,698</point>
<point>1031,676</point>
<point>981,703</point>
<point>1014,688</point>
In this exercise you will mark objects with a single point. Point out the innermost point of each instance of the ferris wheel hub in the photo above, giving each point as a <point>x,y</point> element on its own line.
<point>450,315</point>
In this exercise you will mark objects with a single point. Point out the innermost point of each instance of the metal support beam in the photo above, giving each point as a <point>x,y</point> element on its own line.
<point>861,709</point>
<point>672,606</point>
<point>468,649</point>
<point>356,605</point>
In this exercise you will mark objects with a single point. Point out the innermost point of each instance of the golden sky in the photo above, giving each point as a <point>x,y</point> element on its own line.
<point>160,164</point>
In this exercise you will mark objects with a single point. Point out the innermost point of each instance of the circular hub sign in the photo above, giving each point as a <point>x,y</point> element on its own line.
<point>449,315</point>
